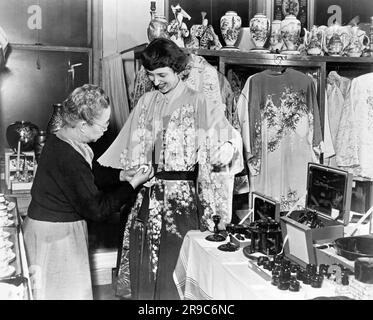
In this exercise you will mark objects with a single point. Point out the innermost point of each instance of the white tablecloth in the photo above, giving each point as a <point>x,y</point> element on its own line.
<point>203,272</point>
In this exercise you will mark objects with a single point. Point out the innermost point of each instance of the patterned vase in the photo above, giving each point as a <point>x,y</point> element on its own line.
<point>290,32</point>
<point>55,121</point>
<point>157,27</point>
<point>230,26</point>
<point>39,144</point>
<point>259,29</point>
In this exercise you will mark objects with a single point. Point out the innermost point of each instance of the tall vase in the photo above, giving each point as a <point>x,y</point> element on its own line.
<point>230,27</point>
<point>259,29</point>
<point>55,121</point>
<point>39,144</point>
<point>290,32</point>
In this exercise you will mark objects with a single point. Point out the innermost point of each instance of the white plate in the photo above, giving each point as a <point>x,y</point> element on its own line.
<point>8,272</point>
<point>6,223</point>
<point>11,256</point>
<point>11,206</point>
<point>4,234</point>
<point>6,244</point>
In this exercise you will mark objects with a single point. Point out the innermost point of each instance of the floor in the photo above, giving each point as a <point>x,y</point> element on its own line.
<point>104,292</point>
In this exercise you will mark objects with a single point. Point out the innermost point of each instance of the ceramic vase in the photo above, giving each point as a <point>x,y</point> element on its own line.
<point>55,121</point>
<point>23,131</point>
<point>230,26</point>
<point>275,40</point>
<point>259,29</point>
<point>39,144</point>
<point>157,27</point>
<point>290,32</point>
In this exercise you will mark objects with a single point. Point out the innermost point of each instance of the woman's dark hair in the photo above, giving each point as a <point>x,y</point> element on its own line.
<point>162,53</point>
<point>84,103</point>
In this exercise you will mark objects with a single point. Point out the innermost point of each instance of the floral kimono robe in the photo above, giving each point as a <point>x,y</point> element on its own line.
<point>173,132</point>
<point>281,131</point>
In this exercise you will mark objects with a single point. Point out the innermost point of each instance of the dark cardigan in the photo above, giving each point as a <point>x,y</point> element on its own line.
<point>64,188</point>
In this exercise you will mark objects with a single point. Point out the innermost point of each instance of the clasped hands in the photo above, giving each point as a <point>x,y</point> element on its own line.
<point>222,155</point>
<point>137,176</point>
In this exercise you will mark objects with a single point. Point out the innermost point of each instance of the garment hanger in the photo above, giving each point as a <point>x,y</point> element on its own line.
<point>278,67</point>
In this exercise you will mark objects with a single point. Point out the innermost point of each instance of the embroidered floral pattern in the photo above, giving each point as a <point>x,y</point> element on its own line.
<point>284,118</point>
<point>289,200</point>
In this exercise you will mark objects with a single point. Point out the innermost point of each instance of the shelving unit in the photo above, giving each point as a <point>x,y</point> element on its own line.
<point>224,60</point>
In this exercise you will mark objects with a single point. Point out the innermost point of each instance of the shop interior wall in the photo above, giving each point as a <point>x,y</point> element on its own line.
<point>35,79</point>
<point>124,26</point>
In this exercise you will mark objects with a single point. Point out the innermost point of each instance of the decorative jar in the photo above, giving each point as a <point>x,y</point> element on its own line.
<point>230,26</point>
<point>290,32</point>
<point>259,29</point>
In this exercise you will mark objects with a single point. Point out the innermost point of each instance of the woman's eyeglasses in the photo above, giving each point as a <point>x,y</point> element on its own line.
<point>102,126</point>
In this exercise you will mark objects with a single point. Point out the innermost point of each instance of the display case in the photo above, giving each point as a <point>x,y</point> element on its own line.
<point>14,275</point>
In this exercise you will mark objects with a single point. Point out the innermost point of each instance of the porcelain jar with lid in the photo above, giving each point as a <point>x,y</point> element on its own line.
<point>259,29</point>
<point>230,27</point>
<point>290,32</point>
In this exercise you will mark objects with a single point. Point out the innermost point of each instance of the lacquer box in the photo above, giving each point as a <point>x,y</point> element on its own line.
<point>326,212</point>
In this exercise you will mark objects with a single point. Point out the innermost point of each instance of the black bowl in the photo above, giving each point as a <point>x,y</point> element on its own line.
<point>352,248</point>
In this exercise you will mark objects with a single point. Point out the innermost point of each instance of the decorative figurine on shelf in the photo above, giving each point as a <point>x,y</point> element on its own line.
<point>203,36</point>
<point>177,29</point>
<point>216,236</point>
<point>158,24</point>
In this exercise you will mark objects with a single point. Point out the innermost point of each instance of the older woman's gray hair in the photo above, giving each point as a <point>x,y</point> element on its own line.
<point>84,103</point>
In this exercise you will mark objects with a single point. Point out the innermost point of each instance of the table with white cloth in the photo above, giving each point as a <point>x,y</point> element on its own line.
<point>203,272</point>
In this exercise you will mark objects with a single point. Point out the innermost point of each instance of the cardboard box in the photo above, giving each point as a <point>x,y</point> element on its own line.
<point>328,198</point>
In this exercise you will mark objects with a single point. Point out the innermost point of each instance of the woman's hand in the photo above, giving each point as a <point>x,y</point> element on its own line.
<point>222,155</point>
<point>139,177</point>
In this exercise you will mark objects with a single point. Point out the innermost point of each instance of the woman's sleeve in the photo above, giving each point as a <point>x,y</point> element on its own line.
<point>215,186</point>
<point>87,200</point>
<point>112,156</point>
<point>215,129</point>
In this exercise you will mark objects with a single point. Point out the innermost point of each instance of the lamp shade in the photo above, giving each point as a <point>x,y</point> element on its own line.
<point>23,131</point>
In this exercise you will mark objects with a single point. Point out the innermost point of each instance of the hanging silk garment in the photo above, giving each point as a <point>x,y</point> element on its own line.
<point>362,106</point>
<point>283,133</point>
<point>337,91</point>
<point>329,152</point>
<point>345,143</point>
<point>167,130</point>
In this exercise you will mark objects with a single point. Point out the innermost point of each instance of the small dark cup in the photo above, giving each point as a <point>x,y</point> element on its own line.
<point>316,281</point>
<point>261,260</point>
<point>294,285</point>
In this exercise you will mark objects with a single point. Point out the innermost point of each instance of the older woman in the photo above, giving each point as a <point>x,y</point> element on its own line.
<point>188,141</point>
<point>64,195</point>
